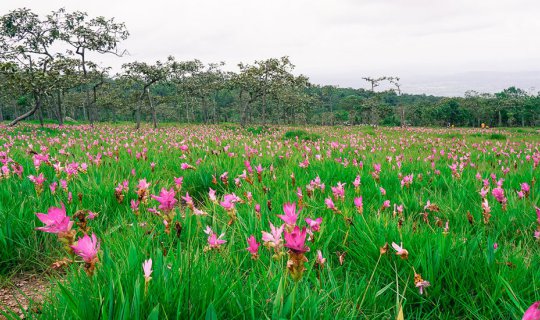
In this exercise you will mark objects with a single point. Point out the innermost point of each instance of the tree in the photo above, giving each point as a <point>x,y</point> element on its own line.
<point>147,75</point>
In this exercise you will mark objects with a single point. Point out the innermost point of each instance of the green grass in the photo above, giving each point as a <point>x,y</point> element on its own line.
<point>469,279</point>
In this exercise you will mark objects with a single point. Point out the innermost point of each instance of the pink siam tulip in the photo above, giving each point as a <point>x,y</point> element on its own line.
<point>290,215</point>
<point>407,181</point>
<point>404,254</point>
<point>228,203</point>
<point>214,242</point>
<point>526,189</point>
<point>185,166</point>
<point>166,199</point>
<point>142,190</point>
<point>356,183</point>
<point>383,191</point>
<point>339,191</point>
<point>420,283</point>
<point>147,270</point>
<point>314,225</point>
<point>359,205</point>
<point>330,205</point>
<point>212,196</point>
<point>167,202</point>
<point>135,206</point>
<point>273,238</point>
<point>38,182</point>
<point>56,221</point>
<point>189,201</point>
<point>533,312</point>
<point>320,259</point>
<point>498,193</point>
<point>296,242</point>
<point>87,248</point>
<point>253,247</point>
<point>178,183</point>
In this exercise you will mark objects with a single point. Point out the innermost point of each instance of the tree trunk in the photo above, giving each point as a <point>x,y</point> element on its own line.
<point>1,114</point>
<point>138,116</point>
<point>500,118</point>
<point>154,117</point>
<point>37,106</point>
<point>59,105</point>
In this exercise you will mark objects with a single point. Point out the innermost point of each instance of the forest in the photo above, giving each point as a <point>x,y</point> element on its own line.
<point>47,73</point>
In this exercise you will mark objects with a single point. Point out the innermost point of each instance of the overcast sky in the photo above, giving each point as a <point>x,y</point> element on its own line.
<point>435,46</point>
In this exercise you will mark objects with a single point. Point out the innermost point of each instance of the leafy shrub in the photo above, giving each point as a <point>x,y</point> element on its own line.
<point>497,136</point>
<point>301,134</point>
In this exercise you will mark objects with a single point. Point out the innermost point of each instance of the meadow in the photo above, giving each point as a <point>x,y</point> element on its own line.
<point>225,222</point>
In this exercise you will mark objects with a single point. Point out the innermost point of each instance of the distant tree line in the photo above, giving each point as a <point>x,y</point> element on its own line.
<point>46,73</point>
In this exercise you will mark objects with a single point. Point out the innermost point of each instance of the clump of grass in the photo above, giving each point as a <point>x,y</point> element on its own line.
<point>301,135</point>
<point>497,136</point>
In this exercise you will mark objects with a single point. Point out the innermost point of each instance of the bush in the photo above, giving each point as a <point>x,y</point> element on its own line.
<point>497,136</point>
<point>301,134</point>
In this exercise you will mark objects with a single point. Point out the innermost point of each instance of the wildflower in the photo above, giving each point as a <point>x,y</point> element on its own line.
<point>314,225</point>
<point>339,191</point>
<point>166,199</point>
<point>56,221</point>
<point>356,182</point>
<point>525,189</point>
<point>383,191</point>
<point>402,253</point>
<point>147,270</point>
<point>320,259</point>
<point>290,215</point>
<point>498,193</point>
<point>420,283</point>
<point>215,242</point>
<point>178,183</point>
<point>330,204</point>
<point>189,200</point>
<point>135,206</point>
<point>253,247</point>
<point>38,182</point>
<point>358,202</point>
<point>295,241</point>
<point>533,312</point>
<point>212,195</point>
<point>273,239</point>
<point>142,190</point>
<point>87,248</point>
<point>185,166</point>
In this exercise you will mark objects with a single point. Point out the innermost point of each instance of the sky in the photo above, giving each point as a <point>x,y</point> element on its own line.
<point>441,47</point>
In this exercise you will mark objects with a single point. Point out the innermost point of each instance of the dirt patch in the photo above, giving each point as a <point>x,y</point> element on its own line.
<point>22,294</point>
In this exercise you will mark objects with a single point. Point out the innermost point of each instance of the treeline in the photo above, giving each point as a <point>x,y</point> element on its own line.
<point>46,72</point>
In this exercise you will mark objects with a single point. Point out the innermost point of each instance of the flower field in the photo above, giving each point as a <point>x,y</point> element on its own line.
<point>222,222</point>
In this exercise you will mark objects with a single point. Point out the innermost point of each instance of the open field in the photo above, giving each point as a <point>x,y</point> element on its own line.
<point>430,223</point>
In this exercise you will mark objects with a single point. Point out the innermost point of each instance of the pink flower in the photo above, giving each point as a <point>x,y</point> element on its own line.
<point>166,199</point>
<point>329,204</point>
<point>404,254</point>
<point>178,182</point>
<point>356,182</point>
<point>86,248</point>
<point>135,205</point>
<point>290,215</point>
<point>188,199</point>
<point>386,204</point>
<point>320,260</point>
<point>147,269</point>
<point>421,285</point>
<point>253,246</point>
<point>314,225</point>
<point>533,313</point>
<point>273,238</point>
<point>296,240</point>
<point>214,242</point>
<point>212,195</point>
<point>498,193</point>
<point>538,214</point>
<point>258,208</point>
<point>383,191</point>
<point>229,201</point>
<point>55,220</point>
